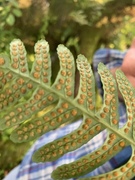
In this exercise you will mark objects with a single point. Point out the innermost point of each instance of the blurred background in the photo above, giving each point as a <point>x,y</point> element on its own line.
<point>81,25</point>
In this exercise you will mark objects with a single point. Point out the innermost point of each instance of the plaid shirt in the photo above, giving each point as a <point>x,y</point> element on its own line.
<point>42,171</point>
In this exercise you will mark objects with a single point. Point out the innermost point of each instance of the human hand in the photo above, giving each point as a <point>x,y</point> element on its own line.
<point>128,65</point>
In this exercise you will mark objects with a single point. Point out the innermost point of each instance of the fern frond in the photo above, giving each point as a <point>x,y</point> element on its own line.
<point>26,97</point>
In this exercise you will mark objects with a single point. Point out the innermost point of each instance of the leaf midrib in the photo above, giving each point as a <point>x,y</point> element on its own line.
<point>72,102</point>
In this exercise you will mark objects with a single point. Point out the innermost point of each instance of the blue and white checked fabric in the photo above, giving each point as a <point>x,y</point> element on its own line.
<point>42,171</point>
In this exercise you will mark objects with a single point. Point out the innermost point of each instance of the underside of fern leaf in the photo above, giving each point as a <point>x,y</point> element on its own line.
<point>34,106</point>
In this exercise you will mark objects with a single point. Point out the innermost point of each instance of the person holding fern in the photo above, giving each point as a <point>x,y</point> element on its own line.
<point>29,170</point>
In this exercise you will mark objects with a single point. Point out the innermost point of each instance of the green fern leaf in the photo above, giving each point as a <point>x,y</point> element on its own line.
<point>34,106</point>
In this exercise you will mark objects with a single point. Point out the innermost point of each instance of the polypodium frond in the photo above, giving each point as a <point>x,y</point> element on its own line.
<point>24,94</point>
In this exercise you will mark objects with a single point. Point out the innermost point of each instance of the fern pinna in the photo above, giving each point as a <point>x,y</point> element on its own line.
<point>31,103</point>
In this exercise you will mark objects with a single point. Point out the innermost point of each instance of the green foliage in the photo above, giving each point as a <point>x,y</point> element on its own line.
<point>122,38</point>
<point>65,23</point>
<point>9,11</point>
<point>10,152</point>
<point>31,103</point>
<point>79,17</point>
